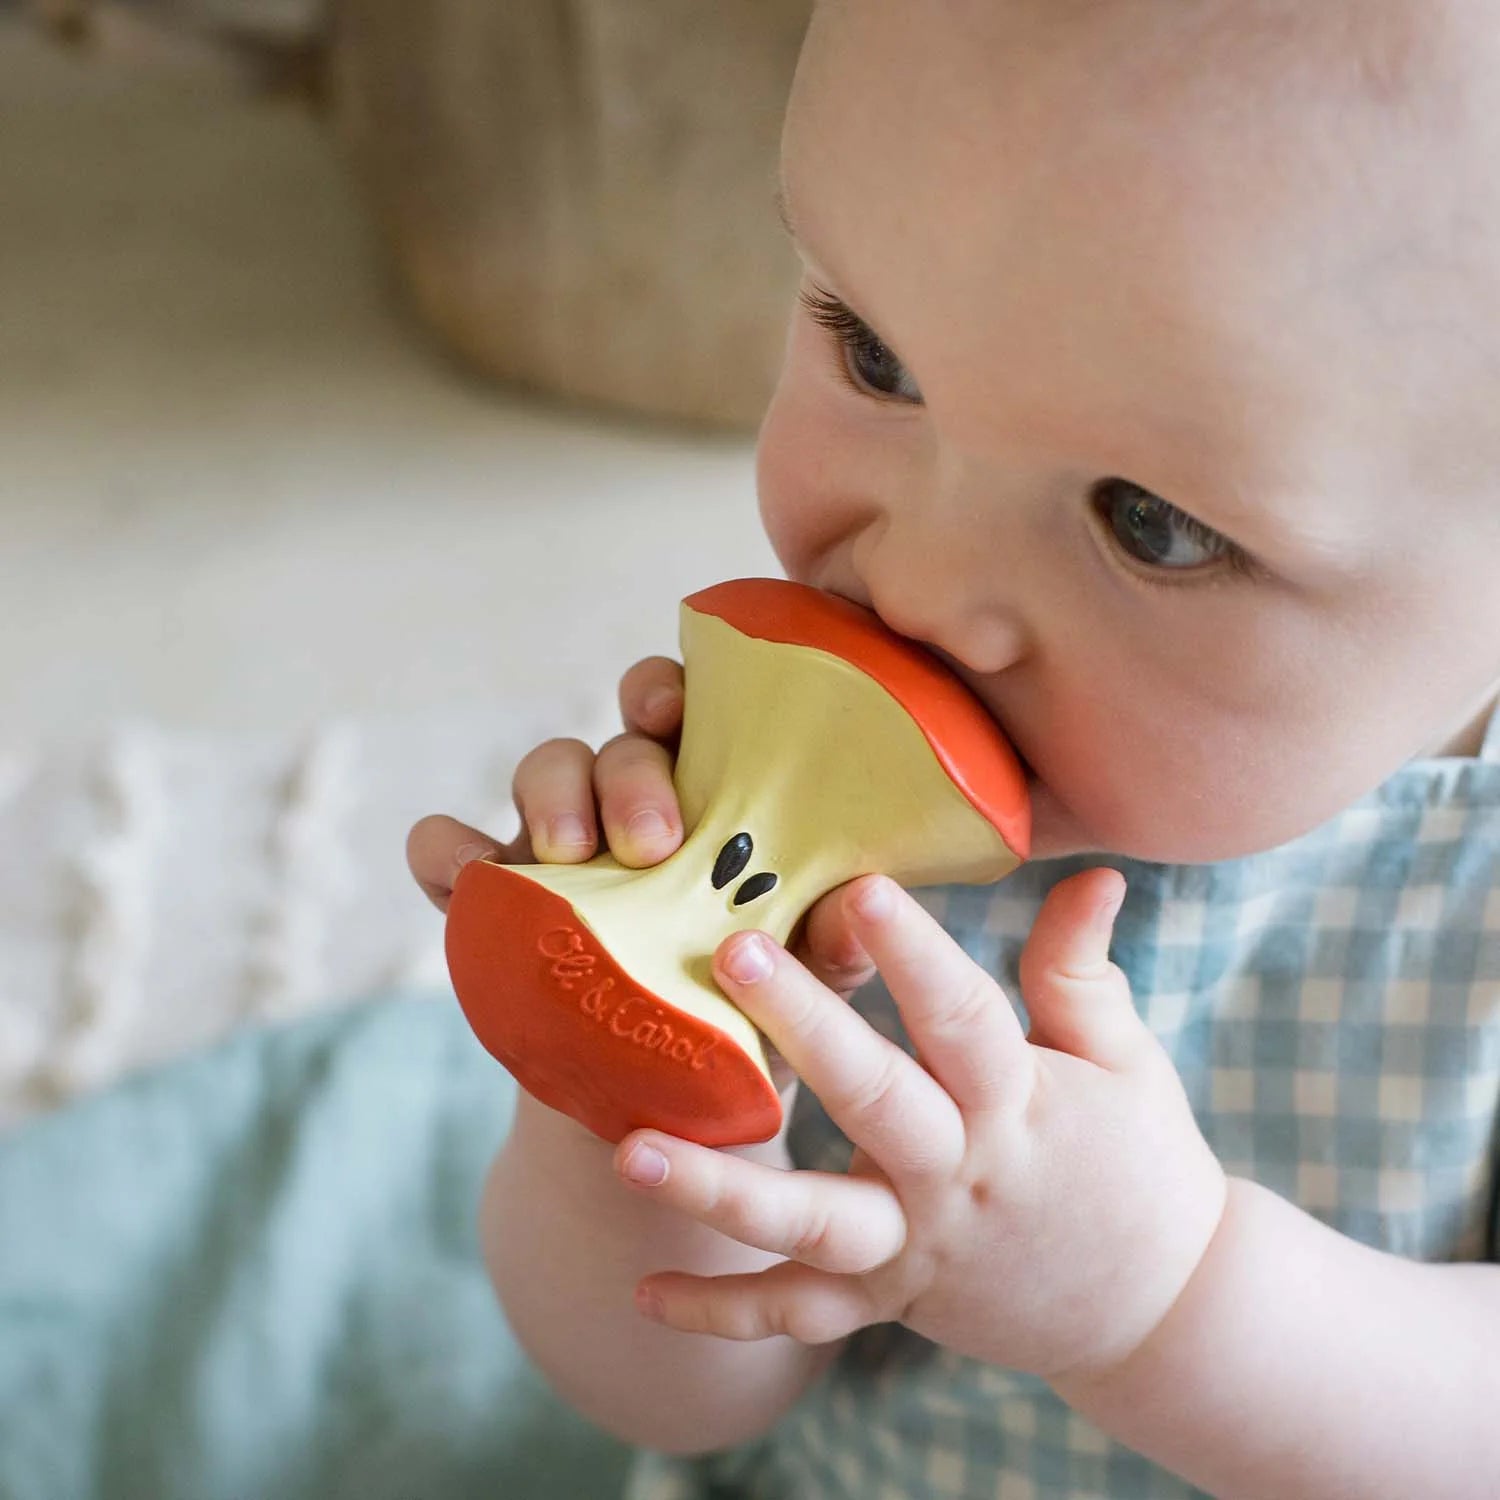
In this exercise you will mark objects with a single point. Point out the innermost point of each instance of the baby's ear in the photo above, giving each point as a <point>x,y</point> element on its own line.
<point>265,46</point>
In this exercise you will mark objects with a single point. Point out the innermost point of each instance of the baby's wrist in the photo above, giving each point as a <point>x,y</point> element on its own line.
<point>1109,1382</point>
<point>538,1129</point>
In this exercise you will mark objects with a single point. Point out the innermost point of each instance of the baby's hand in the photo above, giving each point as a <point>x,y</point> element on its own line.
<point>565,792</point>
<point>1034,1201</point>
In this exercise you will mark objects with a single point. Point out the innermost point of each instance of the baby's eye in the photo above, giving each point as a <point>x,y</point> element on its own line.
<point>870,364</point>
<point>1155,532</point>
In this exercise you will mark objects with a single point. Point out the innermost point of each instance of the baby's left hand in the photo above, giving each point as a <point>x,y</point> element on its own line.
<point>1036,1202</point>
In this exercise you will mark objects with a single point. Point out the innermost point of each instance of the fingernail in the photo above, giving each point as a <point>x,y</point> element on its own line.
<point>566,831</point>
<point>646,826</point>
<point>466,854</point>
<point>748,960</point>
<point>649,1303</point>
<point>662,703</point>
<point>875,901</point>
<point>645,1165</point>
<point>1104,917</point>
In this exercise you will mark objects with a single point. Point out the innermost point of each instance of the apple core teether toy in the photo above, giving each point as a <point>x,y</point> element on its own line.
<point>817,745</point>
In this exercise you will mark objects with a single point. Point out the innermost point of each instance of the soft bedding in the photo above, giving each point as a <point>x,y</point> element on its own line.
<point>254,1274</point>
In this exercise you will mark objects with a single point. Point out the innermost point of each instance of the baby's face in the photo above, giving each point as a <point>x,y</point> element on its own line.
<point>1151,378</point>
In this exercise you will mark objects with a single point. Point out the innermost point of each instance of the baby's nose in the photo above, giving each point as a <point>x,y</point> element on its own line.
<point>945,604</point>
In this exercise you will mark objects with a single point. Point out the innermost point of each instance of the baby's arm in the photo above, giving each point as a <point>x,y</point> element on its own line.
<point>1298,1362</point>
<point>565,1240</point>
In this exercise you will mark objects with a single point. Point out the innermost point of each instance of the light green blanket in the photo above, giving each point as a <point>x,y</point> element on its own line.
<point>254,1275</point>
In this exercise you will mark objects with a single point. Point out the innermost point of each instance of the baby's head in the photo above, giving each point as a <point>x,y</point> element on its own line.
<point>1148,368</point>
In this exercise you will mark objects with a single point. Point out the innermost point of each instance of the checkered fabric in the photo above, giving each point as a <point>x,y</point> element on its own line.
<point>1333,1007</point>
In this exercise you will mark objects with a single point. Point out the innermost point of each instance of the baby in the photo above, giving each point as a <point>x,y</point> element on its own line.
<point>1147,370</point>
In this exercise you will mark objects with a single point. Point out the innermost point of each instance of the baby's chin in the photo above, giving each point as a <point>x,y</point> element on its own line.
<point>1057,832</point>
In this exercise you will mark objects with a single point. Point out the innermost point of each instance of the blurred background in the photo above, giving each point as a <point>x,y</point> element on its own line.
<point>376,376</point>
<point>374,380</point>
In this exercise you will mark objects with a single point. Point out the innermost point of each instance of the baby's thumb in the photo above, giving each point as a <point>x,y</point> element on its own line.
<point>1078,1001</point>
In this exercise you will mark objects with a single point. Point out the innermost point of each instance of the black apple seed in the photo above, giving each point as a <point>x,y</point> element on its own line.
<point>757,885</point>
<point>733,858</point>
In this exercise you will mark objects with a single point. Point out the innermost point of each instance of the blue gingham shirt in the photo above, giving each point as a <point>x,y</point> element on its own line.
<point>1333,1007</point>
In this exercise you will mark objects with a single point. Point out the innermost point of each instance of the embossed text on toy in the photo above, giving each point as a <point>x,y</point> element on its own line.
<point>627,1014</point>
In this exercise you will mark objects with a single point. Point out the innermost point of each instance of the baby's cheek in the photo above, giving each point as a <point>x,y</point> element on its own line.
<point>1217,798</point>
<point>1120,776</point>
<point>774,481</point>
<point>796,507</point>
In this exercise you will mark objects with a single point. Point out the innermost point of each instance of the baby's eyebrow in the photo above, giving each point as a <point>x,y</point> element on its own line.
<point>784,210</point>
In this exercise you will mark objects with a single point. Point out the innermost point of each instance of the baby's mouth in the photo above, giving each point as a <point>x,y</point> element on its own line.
<point>1033,781</point>
<point>971,680</point>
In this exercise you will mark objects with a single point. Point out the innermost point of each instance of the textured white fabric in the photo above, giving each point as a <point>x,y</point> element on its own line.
<point>248,527</point>
<point>158,888</point>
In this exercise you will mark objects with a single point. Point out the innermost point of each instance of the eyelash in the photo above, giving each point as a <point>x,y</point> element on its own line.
<point>850,333</point>
<point>1232,560</point>
<point>832,313</point>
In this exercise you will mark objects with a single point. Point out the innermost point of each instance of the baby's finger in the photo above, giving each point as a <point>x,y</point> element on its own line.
<point>837,1223</point>
<point>651,698</point>
<point>828,947</point>
<point>801,1302</point>
<point>879,1097</point>
<point>959,1019</point>
<point>554,794</point>
<point>637,801</point>
<point>1079,1002</point>
<point>437,848</point>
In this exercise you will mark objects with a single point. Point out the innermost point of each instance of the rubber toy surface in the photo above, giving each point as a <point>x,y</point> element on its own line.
<point>817,745</point>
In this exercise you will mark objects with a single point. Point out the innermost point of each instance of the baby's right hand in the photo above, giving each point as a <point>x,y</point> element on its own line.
<point>564,792</point>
